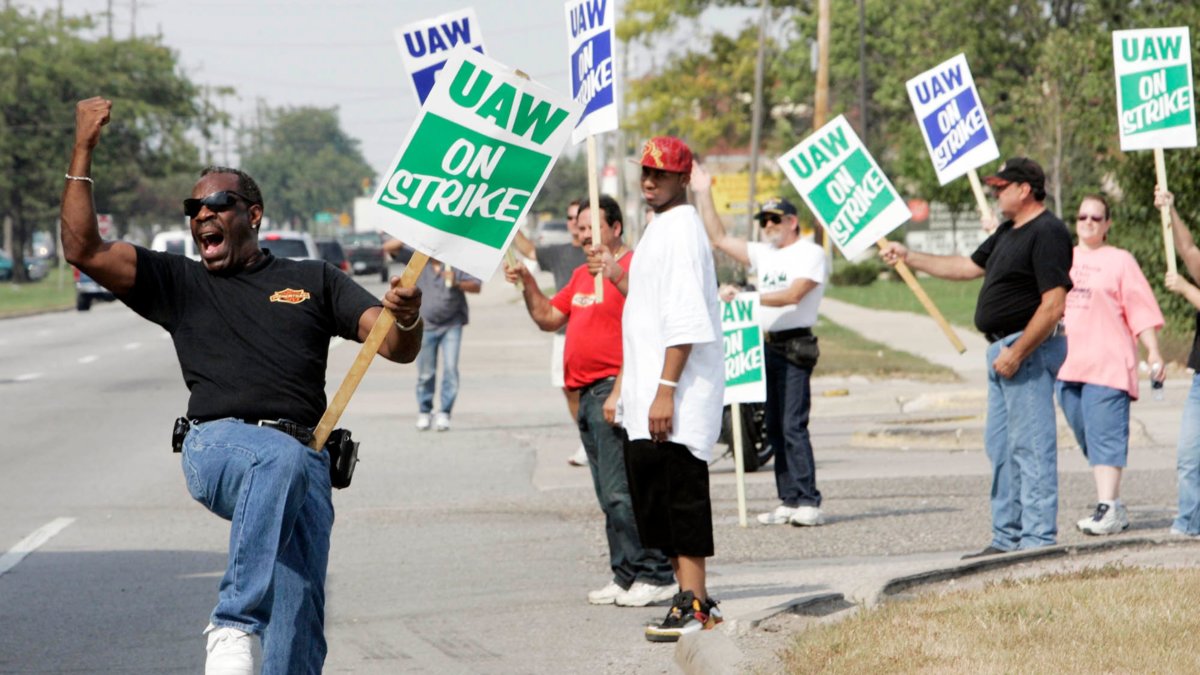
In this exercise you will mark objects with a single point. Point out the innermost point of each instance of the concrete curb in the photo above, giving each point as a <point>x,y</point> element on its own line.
<point>701,654</point>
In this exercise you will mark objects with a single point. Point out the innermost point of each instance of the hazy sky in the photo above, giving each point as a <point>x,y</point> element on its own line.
<point>329,52</point>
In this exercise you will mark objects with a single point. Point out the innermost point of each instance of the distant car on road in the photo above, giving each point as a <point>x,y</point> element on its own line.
<point>288,244</point>
<point>88,291</point>
<point>365,251</point>
<point>332,253</point>
<point>551,232</point>
<point>35,268</point>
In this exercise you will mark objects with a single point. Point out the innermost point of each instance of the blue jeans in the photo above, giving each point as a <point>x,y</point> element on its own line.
<point>1021,439</point>
<point>788,402</point>
<point>448,340</point>
<point>606,458</point>
<point>276,493</point>
<point>1188,463</point>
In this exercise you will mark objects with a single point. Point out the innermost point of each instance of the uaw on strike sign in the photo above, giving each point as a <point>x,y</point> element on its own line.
<point>844,187</point>
<point>425,45</point>
<point>1155,100</point>
<point>473,161</point>
<point>745,377</point>
<point>590,46</point>
<point>952,119</point>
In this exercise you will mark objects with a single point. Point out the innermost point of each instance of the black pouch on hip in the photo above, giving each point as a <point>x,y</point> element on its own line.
<point>343,455</point>
<point>802,351</point>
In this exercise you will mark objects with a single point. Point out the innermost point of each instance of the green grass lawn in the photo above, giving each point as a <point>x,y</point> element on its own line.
<point>48,294</point>
<point>955,299</point>
<point>845,352</point>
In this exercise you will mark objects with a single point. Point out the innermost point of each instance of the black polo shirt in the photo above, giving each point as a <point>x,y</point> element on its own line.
<point>1020,263</point>
<point>254,344</point>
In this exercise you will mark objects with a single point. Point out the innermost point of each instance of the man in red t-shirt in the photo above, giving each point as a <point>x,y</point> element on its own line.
<point>591,363</point>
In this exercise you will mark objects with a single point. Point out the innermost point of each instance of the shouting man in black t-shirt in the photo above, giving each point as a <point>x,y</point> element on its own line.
<point>252,334</point>
<point>1025,265</point>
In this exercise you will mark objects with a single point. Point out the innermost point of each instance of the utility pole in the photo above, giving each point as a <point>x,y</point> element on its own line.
<point>109,14</point>
<point>133,19</point>
<point>756,113</point>
<point>821,102</point>
<point>862,71</point>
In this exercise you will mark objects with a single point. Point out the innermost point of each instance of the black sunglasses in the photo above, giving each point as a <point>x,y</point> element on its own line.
<point>216,202</point>
<point>770,218</point>
<point>1095,219</point>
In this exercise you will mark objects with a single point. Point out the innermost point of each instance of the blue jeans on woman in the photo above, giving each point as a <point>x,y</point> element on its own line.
<point>1021,439</point>
<point>1188,464</point>
<point>447,340</point>
<point>276,493</point>
<point>605,447</point>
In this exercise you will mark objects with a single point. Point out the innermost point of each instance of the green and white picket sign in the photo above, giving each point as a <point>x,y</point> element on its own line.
<point>745,374</point>
<point>1155,98</point>
<point>473,162</point>
<point>844,187</point>
<point>745,377</point>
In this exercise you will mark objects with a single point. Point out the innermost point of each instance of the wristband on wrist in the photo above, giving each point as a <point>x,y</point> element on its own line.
<point>668,383</point>
<point>409,326</point>
<point>85,179</point>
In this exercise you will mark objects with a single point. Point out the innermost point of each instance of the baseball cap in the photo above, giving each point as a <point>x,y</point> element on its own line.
<point>1019,170</point>
<point>776,206</point>
<point>667,153</point>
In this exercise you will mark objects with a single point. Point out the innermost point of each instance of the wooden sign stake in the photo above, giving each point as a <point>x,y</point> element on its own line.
<point>927,302</point>
<point>1160,170</point>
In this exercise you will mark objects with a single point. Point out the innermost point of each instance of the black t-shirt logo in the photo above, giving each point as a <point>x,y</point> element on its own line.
<point>291,296</point>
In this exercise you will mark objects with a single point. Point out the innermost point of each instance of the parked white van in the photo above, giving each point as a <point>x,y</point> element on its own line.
<point>175,241</point>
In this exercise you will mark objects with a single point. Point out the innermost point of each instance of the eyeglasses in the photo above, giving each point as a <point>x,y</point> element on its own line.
<point>1095,219</point>
<point>770,218</point>
<point>997,190</point>
<point>216,202</point>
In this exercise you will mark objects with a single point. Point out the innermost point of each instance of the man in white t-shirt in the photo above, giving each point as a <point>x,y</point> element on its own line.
<point>791,282</point>
<point>672,384</point>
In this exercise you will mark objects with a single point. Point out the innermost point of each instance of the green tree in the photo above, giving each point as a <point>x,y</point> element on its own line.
<point>567,182</point>
<point>304,163</point>
<point>46,66</point>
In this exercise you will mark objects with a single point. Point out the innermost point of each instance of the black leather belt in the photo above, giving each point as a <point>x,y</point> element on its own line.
<point>1059,329</point>
<point>781,335</point>
<point>294,429</point>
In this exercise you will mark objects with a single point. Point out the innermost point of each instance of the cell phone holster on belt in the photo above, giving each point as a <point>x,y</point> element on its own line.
<point>343,455</point>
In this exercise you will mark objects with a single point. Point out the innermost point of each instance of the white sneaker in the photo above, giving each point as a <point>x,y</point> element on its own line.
<point>605,596</point>
<point>441,421</point>
<point>1105,520</point>
<point>423,420</point>
<point>641,594</point>
<point>807,516</point>
<point>579,458</point>
<point>229,651</point>
<point>780,516</point>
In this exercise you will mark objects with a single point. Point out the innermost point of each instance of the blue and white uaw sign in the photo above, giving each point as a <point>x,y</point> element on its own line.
<point>745,375</point>
<point>952,119</point>
<point>426,45</point>
<point>590,42</point>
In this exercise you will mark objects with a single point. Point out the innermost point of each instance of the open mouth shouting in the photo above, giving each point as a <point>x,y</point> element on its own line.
<point>211,242</point>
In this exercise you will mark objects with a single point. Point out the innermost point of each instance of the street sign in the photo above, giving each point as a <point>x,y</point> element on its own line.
<point>745,375</point>
<point>1155,97</point>
<point>590,43</point>
<point>476,156</point>
<point>952,120</point>
<point>426,45</point>
<point>731,190</point>
<point>844,187</point>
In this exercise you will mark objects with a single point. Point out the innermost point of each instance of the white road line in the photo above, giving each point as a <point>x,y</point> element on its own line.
<point>27,377</point>
<point>132,346</point>
<point>31,543</point>
<point>88,359</point>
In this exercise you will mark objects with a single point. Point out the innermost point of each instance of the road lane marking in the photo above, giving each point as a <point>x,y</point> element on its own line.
<point>88,359</point>
<point>27,377</point>
<point>31,543</point>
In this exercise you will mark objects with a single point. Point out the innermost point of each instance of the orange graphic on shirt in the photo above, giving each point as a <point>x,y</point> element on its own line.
<point>291,296</point>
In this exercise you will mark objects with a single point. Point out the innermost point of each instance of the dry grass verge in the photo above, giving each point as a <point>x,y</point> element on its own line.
<point>1112,619</point>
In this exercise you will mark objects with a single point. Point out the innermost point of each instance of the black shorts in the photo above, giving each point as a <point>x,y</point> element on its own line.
<point>669,487</point>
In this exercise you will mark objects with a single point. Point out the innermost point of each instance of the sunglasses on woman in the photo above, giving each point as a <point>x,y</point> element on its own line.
<point>1095,219</point>
<point>216,202</point>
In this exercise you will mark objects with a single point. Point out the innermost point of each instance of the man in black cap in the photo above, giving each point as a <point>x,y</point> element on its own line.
<point>791,282</point>
<point>1025,264</point>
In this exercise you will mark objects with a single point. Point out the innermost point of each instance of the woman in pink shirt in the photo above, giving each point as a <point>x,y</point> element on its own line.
<point>1109,305</point>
